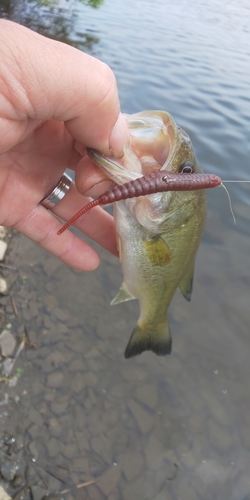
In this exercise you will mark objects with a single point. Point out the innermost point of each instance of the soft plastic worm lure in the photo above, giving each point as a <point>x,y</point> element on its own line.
<point>155,182</point>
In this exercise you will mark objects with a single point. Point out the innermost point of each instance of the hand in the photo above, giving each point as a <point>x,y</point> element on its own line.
<point>54,101</point>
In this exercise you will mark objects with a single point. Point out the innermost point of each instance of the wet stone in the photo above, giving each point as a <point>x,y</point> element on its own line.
<point>70,450</point>
<point>34,431</point>
<point>78,384</point>
<point>147,395</point>
<point>55,427</point>
<point>51,265</point>
<point>61,314</point>
<point>7,343</point>
<point>17,482</point>
<point>8,470</point>
<point>77,365</point>
<point>55,379</point>
<point>83,444</point>
<point>90,379</point>
<point>6,366</point>
<point>108,481</point>
<point>37,492</point>
<point>131,464</point>
<point>141,416</point>
<point>53,447</point>
<point>3,248</point>
<point>35,416</point>
<point>59,406</point>
<point>53,360</point>
<point>49,395</point>
<point>117,391</point>
<point>50,302</point>
<point>3,494</point>
<point>61,328</point>
<point>3,285</point>
<point>96,494</point>
<point>33,449</point>
<point>102,447</point>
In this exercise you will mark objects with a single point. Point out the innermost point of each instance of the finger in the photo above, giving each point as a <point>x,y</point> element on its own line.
<point>46,79</point>
<point>90,180</point>
<point>96,224</point>
<point>41,227</point>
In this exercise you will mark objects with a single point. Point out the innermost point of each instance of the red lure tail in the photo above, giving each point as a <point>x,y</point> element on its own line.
<point>156,182</point>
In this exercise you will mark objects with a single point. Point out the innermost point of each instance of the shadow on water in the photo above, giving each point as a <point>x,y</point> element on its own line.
<point>51,20</point>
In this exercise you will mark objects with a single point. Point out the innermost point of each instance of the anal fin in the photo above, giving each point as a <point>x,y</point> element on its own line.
<point>122,296</point>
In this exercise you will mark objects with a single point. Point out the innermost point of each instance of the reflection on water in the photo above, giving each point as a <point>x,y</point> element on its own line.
<point>150,428</point>
<point>51,18</point>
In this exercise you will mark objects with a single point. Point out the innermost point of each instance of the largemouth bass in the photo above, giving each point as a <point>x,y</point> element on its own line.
<point>158,235</point>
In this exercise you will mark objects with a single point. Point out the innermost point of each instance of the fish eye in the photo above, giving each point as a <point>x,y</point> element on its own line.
<point>187,167</point>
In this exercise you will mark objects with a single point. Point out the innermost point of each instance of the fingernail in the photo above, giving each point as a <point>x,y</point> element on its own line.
<point>119,136</point>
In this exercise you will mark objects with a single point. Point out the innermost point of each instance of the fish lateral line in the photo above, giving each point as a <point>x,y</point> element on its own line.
<point>155,182</point>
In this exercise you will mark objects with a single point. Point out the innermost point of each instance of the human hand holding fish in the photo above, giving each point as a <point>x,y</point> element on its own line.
<point>54,100</point>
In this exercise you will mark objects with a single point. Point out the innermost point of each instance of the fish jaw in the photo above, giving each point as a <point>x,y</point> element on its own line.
<point>154,138</point>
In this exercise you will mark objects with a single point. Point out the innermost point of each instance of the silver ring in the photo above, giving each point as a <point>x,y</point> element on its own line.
<point>58,192</point>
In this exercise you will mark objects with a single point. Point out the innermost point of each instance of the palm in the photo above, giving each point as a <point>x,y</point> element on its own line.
<point>29,171</point>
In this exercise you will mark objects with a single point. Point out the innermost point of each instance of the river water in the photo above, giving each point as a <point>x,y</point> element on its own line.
<point>149,428</point>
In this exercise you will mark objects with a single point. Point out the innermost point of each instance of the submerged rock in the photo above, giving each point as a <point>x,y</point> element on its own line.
<point>7,343</point>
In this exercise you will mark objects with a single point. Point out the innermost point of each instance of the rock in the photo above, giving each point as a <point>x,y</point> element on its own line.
<point>35,416</point>
<point>3,285</point>
<point>3,248</point>
<point>51,265</point>
<point>2,316</point>
<point>61,314</point>
<point>8,470</point>
<point>7,343</point>
<point>3,494</point>
<point>102,447</point>
<point>131,464</point>
<point>6,366</point>
<point>59,406</point>
<point>90,379</point>
<point>55,379</point>
<point>3,232</point>
<point>78,384</point>
<point>53,447</point>
<point>53,360</point>
<point>108,481</point>
<point>50,302</point>
<point>142,417</point>
<point>55,427</point>
<point>147,395</point>
<point>37,492</point>
<point>70,450</point>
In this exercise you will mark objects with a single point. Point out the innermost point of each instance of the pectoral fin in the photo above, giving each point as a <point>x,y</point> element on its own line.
<point>157,251</point>
<point>122,296</point>
<point>186,285</point>
<point>144,338</point>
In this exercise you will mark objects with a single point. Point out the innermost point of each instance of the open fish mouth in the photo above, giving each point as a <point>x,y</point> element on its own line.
<point>154,139</point>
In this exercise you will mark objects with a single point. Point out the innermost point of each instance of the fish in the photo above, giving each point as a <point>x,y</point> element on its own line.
<point>158,235</point>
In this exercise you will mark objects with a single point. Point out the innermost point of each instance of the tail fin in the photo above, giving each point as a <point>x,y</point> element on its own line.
<point>159,341</point>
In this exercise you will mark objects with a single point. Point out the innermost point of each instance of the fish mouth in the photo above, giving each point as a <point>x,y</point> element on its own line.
<point>152,146</point>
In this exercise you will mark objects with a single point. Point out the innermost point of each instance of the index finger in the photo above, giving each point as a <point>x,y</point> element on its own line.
<point>51,80</point>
